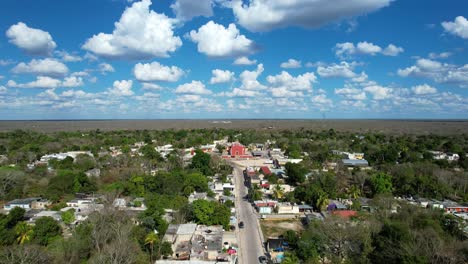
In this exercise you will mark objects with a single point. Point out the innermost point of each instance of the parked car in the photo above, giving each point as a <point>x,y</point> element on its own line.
<point>241,224</point>
<point>263,259</point>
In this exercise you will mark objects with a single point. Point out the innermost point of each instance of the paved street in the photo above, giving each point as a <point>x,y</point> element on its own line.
<point>249,237</point>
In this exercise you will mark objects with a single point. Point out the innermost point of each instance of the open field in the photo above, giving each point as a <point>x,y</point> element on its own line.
<point>443,127</point>
<point>275,228</point>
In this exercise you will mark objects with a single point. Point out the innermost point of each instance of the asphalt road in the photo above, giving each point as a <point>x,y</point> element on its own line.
<point>250,243</point>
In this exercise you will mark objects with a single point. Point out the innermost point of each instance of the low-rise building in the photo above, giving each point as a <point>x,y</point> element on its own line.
<point>200,244</point>
<point>355,162</point>
<point>40,204</point>
<point>287,208</point>
<point>57,216</point>
<point>25,203</point>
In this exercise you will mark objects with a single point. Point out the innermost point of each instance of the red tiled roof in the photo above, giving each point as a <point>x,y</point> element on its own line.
<point>345,213</point>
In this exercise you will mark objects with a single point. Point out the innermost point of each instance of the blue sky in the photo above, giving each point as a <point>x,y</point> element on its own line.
<point>88,59</point>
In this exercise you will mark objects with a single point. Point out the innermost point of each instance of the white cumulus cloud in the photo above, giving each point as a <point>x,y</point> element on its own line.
<point>31,40</point>
<point>195,87</point>
<point>139,34</point>
<point>265,15</point>
<point>459,27</point>
<point>344,70</point>
<point>423,89</point>
<point>188,9</point>
<point>220,76</point>
<point>45,67</point>
<point>244,61</point>
<point>291,64</point>
<point>379,92</point>
<point>299,83</point>
<point>105,68</point>
<point>67,57</point>
<point>351,93</point>
<point>151,72</point>
<point>249,79</point>
<point>214,40</point>
<point>392,50</point>
<point>121,88</point>
<point>46,82</point>
<point>346,49</point>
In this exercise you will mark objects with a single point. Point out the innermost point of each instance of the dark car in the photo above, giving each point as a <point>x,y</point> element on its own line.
<point>263,259</point>
<point>241,224</point>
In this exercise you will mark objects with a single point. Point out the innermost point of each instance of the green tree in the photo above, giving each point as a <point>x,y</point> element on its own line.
<point>16,215</point>
<point>210,213</point>
<point>296,173</point>
<point>381,183</point>
<point>166,249</point>
<point>24,232</point>
<point>201,161</point>
<point>45,230</point>
<point>68,217</point>
<point>82,183</point>
<point>290,258</point>
<point>151,239</point>
<point>278,192</point>
<point>150,152</point>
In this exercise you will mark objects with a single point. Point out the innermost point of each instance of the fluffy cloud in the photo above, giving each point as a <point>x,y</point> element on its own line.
<point>282,92</point>
<point>139,34</point>
<point>67,57</point>
<point>321,101</point>
<point>291,64</point>
<point>220,76</point>
<point>72,81</point>
<point>442,55</point>
<point>237,92</point>
<point>423,89</point>
<point>195,87</point>
<point>46,67</point>
<point>346,49</point>
<point>105,68</point>
<point>265,15</point>
<point>121,88</point>
<point>438,72</point>
<point>48,83</point>
<point>188,9</point>
<point>151,72</point>
<point>215,40</point>
<point>249,79</point>
<point>300,83</point>
<point>151,86</point>
<point>344,70</point>
<point>351,93</point>
<point>379,92</point>
<point>31,40</point>
<point>79,94</point>
<point>3,89</point>
<point>244,61</point>
<point>392,50</point>
<point>459,27</point>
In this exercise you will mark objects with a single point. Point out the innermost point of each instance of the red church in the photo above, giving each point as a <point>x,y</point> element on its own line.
<point>238,150</point>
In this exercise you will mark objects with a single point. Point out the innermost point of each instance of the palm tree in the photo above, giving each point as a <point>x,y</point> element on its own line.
<point>24,232</point>
<point>321,201</point>
<point>150,239</point>
<point>278,192</point>
<point>354,192</point>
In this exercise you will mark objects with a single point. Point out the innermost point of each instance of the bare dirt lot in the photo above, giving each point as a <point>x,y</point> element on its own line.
<point>275,228</point>
<point>445,127</point>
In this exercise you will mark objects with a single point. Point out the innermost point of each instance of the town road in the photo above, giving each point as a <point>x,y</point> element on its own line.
<point>250,243</point>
